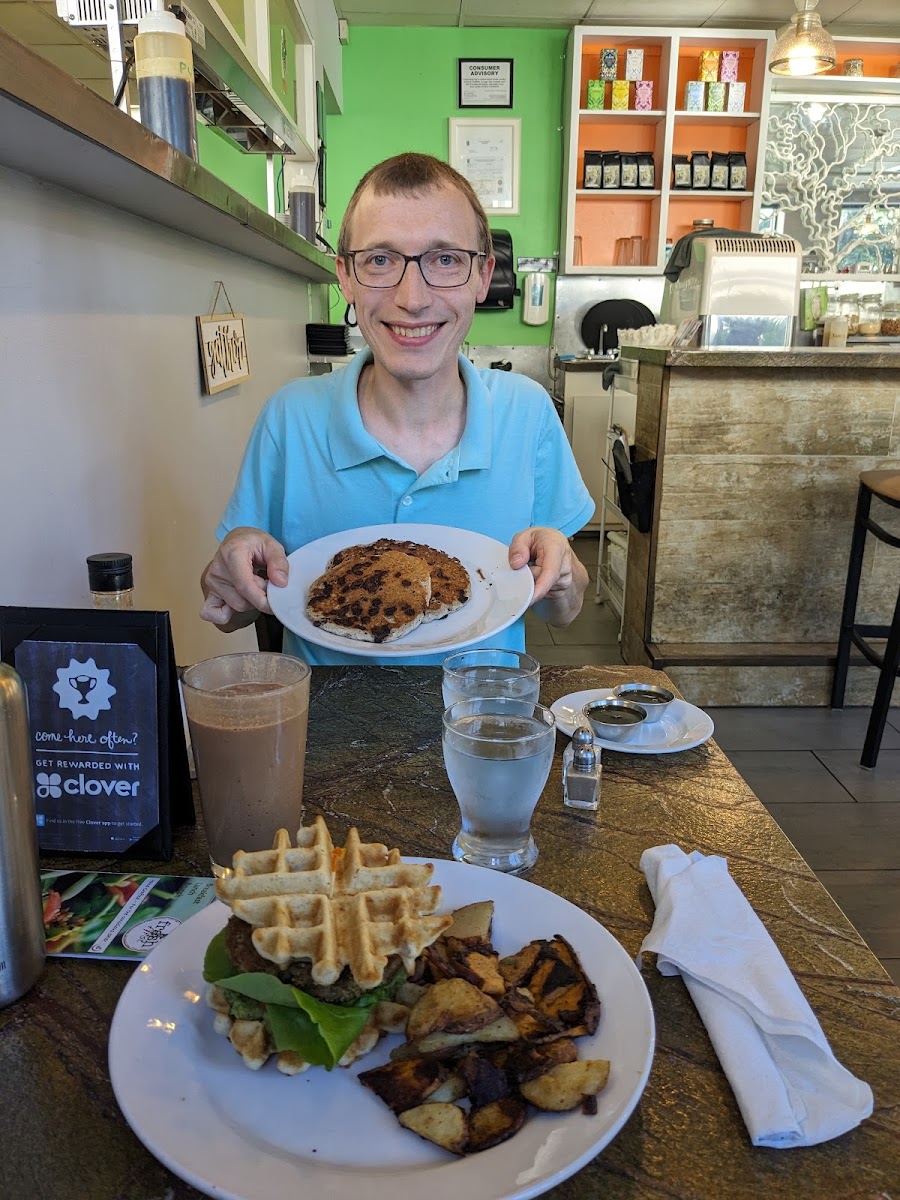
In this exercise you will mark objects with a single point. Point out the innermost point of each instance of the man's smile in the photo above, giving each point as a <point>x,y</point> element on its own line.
<point>412,332</point>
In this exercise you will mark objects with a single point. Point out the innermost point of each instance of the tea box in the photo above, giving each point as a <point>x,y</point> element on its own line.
<point>728,65</point>
<point>643,94</point>
<point>620,94</point>
<point>715,97</point>
<point>694,94</point>
<point>709,66</point>
<point>634,64</point>
<point>596,93</point>
<point>736,95</point>
<point>609,63</point>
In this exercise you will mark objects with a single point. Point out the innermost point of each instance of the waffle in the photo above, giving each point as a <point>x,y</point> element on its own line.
<point>353,908</point>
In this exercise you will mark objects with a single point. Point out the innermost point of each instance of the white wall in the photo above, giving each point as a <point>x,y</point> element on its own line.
<point>106,440</point>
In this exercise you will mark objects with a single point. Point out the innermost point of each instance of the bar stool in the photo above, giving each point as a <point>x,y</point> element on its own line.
<point>886,486</point>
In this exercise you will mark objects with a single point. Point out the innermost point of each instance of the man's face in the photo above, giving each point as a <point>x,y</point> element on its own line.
<point>414,330</point>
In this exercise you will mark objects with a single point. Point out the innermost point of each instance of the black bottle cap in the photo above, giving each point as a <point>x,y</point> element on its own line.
<point>110,572</point>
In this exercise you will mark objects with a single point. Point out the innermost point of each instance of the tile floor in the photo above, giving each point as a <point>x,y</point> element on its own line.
<point>803,764</point>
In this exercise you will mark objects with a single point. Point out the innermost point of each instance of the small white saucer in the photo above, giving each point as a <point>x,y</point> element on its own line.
<point>682,727</point>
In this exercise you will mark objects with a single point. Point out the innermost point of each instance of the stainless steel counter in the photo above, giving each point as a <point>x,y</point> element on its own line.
<point>54,128</point>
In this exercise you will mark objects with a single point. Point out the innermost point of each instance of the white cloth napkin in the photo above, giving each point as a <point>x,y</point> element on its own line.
<point>790,1088</point>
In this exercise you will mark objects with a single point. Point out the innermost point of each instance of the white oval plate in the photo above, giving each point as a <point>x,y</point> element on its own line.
<point>499,594</point>
<point>681,727</point>
<point>240,1135</point>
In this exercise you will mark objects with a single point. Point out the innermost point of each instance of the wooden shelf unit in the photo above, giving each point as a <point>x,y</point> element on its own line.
<point>671,58</point>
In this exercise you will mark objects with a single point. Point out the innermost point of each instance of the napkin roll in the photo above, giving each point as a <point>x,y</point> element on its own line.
<point>790,1088</point>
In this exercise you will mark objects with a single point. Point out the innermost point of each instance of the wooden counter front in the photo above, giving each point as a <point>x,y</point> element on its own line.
<point>737,588</point>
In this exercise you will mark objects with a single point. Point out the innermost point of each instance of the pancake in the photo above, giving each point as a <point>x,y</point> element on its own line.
<point>371,596</point>
<point>450,583</point>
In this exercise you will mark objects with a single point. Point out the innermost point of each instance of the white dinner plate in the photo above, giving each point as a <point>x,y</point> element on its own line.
<point>499,594</point>
<point>248,1135</point>
<point>681,727</point>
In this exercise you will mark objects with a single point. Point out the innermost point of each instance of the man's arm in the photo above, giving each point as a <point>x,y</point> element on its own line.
<point>233,595</point>
<point>560,579</point>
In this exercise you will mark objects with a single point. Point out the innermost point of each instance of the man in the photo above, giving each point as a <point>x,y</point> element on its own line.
<point>410,431</point>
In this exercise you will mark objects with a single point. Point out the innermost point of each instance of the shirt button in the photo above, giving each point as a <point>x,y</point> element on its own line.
<point>406,501</point>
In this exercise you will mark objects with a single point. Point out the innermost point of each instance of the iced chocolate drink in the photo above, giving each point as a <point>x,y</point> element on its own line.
<point>247,715</point>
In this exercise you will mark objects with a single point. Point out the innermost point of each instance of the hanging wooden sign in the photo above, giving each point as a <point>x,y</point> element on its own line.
<point>223,346</point>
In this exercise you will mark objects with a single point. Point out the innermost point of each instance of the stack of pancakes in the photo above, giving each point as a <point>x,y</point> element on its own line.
<point>382,591</point>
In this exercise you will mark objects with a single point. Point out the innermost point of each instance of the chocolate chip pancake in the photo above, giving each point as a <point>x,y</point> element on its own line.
<point>450,583</point>
<point>371,596</point>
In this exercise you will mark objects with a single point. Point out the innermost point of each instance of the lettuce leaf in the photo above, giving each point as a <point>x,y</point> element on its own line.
<point>320,1032</point>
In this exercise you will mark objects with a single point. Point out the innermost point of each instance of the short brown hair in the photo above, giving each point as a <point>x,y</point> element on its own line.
<point>410,174</point>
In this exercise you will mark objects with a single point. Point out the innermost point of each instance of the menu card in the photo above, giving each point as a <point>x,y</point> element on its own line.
<point>107,739</point>
<point>90,914</point>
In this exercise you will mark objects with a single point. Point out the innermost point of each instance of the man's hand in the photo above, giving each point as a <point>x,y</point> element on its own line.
<point>560,579</point>
<point>233,592</point>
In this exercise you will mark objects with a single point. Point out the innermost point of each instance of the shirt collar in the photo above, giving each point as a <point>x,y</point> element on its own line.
<point>351,444</point>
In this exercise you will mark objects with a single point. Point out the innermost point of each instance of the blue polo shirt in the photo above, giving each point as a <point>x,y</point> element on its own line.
<point>311,468</point>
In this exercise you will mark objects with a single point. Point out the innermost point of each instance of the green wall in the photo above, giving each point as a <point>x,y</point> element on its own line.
<point>400,89</point>
<point>244,172</point>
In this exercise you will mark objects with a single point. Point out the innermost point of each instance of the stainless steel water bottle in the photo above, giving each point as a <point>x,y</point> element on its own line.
<point>21,912</point>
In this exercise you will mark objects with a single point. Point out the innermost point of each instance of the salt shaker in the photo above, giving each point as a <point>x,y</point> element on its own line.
<point>581,771</point>
<point>21,910</point>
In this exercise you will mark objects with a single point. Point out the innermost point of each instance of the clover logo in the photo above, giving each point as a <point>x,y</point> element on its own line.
<point>48,785</point>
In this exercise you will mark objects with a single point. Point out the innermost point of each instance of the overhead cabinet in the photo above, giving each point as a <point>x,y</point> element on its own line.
<point>599,214</point>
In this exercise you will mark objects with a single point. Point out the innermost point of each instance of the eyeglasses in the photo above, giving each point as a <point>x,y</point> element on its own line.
<point>444,268</point>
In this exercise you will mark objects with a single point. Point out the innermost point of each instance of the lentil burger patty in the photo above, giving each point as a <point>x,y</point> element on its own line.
<point>245,958</point>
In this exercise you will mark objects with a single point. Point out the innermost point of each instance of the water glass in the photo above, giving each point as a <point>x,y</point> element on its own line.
<point>247,715</point>
<point>490,673</point>
<point>497,752</point>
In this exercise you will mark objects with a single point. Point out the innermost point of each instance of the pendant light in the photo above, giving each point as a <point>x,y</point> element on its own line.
<point>804,48</point>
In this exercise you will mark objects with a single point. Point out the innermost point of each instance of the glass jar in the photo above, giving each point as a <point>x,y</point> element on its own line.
<point>890,320</point>
<point>870,316</point>
<point>850,309</point>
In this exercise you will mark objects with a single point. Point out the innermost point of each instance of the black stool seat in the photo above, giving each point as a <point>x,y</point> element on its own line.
<point>885,485</point>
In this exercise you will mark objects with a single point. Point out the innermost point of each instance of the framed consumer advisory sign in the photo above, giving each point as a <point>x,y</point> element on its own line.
<point>485,83</point>
<point>107,738</point>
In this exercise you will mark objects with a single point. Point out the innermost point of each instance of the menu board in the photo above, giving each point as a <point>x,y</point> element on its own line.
<point>107,739</point>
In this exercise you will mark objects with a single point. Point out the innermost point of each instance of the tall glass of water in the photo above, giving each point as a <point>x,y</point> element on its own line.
<point>497,752</point>
<point>490,673</point>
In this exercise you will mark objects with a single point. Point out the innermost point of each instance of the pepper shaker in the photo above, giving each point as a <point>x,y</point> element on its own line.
<point>22,946</point>
<point>581,771</point>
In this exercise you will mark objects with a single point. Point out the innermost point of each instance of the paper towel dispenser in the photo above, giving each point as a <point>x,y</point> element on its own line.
<point>503,282</point>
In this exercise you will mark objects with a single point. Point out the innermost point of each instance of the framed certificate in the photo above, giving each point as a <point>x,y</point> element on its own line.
<point>486,152</point>
<point>485,83</point>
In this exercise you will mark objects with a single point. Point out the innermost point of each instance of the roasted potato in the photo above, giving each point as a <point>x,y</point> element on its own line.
<point>502,1030</point>
<point>494,1123</point>
<point>451,1006</point>
<point>564,1087</point>
<point>472,923</point>
<point>443,1124</point>
<point>406,1083</point>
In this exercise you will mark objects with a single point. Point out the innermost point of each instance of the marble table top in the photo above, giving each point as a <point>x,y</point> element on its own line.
<point>374,760</point>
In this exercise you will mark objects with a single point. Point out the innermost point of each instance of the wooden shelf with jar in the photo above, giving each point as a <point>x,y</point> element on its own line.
<point>670,59</point>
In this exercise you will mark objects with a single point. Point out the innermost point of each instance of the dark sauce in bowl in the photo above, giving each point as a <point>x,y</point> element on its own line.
<point>614,716</point>
<point>640,697</point>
